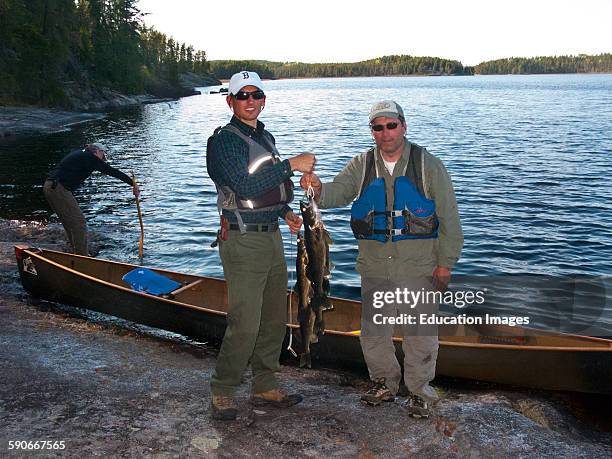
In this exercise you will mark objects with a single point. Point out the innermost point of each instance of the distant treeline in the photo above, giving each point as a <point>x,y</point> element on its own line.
<point>386,65</point>
<point>46,43</point>
<point>413,65</point>
<point>601,63</point>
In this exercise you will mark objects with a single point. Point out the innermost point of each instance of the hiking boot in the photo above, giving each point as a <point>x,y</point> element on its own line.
<point>276,398</point>
<point>223,408</point>
<point>416,406</point>
<point>377,394</point>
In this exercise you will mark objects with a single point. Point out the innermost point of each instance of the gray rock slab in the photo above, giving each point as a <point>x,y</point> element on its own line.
<point>20,121</point>
<point>109,389</point>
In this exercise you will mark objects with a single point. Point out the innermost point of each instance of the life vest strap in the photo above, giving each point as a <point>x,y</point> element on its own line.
<point>391,232</point>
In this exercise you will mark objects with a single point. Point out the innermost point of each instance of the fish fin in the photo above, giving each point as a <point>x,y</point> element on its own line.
<point>327,306</point>
<point>310,292</point>
<point>320,328</point>
<point>327,237</point>
<point>319,325</point>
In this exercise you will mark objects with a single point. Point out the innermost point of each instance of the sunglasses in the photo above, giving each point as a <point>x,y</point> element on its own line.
<point>380,127</point>
<point>244,95</point>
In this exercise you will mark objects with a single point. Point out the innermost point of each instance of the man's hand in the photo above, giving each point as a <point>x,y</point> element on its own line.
<point>135,189</point>
<point>303,163</point>
<point>294,222</point>
<point>312,180</point>
<point>441,278</point>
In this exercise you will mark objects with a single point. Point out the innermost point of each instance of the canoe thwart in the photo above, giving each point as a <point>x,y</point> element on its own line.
<point>185,287</point>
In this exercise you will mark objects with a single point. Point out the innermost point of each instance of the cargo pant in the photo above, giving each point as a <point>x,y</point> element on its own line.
<point>420,342</point>
<point>256,275</point>
<point>64,204</point>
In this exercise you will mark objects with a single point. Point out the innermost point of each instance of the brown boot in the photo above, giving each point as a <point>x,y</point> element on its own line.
<point>276,398</point>
<point>223,408</point>
<point>417,407</point>
<point>377,393</point>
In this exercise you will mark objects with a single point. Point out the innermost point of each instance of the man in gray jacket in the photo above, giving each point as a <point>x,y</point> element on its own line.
<point>409,234</point>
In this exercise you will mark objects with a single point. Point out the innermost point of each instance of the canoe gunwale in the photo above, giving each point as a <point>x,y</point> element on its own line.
<point>122,288</point>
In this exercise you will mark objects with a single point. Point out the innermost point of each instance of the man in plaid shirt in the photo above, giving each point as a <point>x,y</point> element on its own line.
<point>254,189</point>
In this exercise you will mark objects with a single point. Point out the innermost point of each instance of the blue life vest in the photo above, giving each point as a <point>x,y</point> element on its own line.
<point>413,215</point>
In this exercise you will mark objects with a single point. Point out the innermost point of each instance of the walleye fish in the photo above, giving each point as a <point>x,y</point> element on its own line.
<point>316,242</point>
<point>306,316</point>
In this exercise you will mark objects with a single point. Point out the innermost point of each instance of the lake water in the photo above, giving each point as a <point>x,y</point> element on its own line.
<point>530,158</point>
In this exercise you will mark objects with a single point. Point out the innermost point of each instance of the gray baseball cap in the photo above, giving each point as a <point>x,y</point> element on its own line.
<point>99,146</point>
<point>387,108</point>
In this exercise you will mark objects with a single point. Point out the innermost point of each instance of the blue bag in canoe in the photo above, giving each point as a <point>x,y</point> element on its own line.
<point>145,280</point>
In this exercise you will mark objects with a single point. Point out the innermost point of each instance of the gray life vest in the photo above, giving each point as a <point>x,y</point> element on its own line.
<point>259,157</point>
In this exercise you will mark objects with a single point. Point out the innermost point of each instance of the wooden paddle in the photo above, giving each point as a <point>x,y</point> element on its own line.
<point>141,241</point>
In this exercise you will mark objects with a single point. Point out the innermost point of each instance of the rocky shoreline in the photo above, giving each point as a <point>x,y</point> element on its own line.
<point>111,388</point>
<point>27,121</point>
<point>88,103</point>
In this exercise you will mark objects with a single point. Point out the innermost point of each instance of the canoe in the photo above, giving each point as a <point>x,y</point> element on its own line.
<point>197,309</point>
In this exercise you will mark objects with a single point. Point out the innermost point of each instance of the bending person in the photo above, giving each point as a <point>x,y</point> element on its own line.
<point>69,175</point>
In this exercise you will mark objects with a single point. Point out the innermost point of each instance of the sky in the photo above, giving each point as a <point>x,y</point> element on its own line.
<point>470,31</point>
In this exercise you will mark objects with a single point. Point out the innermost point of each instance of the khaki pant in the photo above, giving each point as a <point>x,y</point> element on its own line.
<point>62,202</point>
<point>420,343</point>
<point>256,275</point>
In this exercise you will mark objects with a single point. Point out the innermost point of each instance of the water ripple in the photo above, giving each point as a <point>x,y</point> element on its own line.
<point>529,157</point>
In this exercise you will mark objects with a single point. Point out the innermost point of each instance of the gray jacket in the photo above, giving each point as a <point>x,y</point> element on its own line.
<point>393,260</point>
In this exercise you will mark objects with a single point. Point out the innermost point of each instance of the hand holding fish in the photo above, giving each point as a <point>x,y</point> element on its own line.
<point>312,181</point>
<point>293,221</point>
<point>304,162</point>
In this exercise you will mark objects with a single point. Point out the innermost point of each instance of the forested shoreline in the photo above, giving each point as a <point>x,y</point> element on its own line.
<point>55,50</point>
<point>397,65</point>
<point>583,63</point>
<point>382,66</point>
